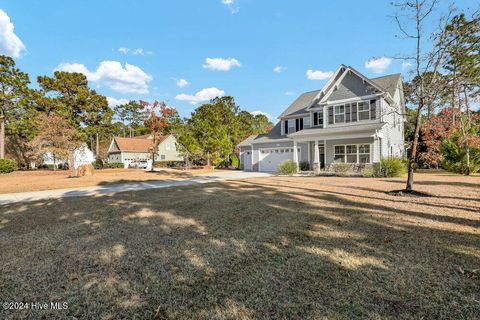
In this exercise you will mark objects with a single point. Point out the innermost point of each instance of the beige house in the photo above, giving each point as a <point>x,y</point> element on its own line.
<point>128,150</point>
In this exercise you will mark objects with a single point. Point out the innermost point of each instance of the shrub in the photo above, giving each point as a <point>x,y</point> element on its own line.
<point>234,162</point>
<point>98,164</point>
<point>114,165</point>
<point>304,165</point>
<point>341,168</point>
<point>368,172</point>
<point>288,167</point>
<point>391,167</point>
<point>454,156</point>
<point>7,165</point>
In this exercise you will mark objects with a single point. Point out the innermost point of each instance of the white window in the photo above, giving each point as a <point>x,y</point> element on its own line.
<point>339,156</point>
<point>339,114</point>
<point>352,153</point>
<point>167,146</point>
<point>363,111</point>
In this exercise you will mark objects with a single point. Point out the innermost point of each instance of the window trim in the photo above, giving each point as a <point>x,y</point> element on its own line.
<point>366,103</point>
<point>358,153</point>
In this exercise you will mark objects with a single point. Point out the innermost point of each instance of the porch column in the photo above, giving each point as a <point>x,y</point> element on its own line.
<point>295,153</point>
<point>325,154</point>
<point>316,158</point>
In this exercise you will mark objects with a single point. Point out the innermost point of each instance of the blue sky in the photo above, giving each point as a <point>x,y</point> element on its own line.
<point>260,52</point>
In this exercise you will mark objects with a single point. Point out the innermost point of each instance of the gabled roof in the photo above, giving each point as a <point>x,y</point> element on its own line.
<point>389,83</point>
<point>301,103</point>
<point>274,135</point>
<point>137,144</point>
<point>386,84</point>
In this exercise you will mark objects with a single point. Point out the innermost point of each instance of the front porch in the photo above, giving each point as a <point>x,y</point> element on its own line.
<point>325,154</point>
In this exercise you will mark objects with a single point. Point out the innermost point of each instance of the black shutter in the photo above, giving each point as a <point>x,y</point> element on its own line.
<point>347,112</point>
<point>373,109</point>
<point>330,115</point>
<point>286,126</point>
<point>297,125</point>
<point>315,119</point>
<point>301,123</point>
<point>354,112</point>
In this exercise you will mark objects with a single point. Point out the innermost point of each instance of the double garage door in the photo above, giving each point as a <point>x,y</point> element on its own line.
<point>271,158</point>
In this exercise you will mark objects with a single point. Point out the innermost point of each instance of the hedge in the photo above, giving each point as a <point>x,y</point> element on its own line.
<point>7,165</point>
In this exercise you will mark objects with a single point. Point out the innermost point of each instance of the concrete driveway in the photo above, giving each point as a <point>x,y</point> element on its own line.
<point>141,185</point>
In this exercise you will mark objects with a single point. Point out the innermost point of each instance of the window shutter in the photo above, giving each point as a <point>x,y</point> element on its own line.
<point>354,112</point>
<point>301,123</point>
<point>330,115</point>
<point>373,109</point>
<point>286,126</point>
<point>297,125</point>
<point>347,112</point>
<point>315,119</point>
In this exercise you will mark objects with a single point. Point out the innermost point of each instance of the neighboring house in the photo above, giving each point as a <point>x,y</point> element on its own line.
<point>128,150</point>
<point>352,119</point>
<point>82,155</point>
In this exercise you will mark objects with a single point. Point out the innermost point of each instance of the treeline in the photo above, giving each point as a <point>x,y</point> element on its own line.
<point>443,128</point>
<point>64,113</point>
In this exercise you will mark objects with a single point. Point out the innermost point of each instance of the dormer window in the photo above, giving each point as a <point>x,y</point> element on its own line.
<point>318,119</point>
<point>298,124</point>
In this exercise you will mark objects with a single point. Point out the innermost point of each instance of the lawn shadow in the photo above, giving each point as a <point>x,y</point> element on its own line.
<point>245,249</point>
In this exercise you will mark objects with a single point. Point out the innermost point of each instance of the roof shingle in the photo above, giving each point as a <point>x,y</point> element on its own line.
<point>135,144</point>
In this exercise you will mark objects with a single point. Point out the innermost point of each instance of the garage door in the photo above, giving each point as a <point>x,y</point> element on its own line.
<point>247,160</point>
<point>270,159</point>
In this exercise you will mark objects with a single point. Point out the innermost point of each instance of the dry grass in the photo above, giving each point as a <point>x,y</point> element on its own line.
<point>280,247</point>
<point>22,181</point>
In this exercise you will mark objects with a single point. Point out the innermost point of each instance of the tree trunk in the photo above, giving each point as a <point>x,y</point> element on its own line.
<point>208,159</point>
<point>97,147</point>
<point>2,136</point>
<point>72,164</point>
<point>413,151</point>
<point>464,136</point>
<point>54,162</point>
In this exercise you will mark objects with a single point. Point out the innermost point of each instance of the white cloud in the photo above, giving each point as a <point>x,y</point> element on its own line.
<point>135,52</point>
<point>289,93</point>
<point>406,66</point>
<point>279,69</point>
<point>181,82</point>
<point>221,64</point>
<point>378,65</point>
<point>318,75</point>
<point>201,96</point>
<point>113,102</point>
<point>234,8</point>
<point>128,79</point>
<point>268,115</point>
<point>10,43</point>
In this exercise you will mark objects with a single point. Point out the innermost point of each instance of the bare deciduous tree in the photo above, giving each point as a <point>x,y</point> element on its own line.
<point>427,60</point>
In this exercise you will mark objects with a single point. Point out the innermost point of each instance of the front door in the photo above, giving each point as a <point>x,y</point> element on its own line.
<point>322,156</point>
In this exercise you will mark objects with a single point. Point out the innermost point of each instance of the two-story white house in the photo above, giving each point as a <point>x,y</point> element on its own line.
<point>352,119</point>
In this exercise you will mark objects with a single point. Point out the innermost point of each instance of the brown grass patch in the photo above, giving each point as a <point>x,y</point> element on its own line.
<point>36,180</point>
<point>279,247</point>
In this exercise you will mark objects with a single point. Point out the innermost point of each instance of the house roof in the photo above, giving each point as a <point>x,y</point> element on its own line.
<point>136,144</point>
<point>339,129</point>
<point>389,83</point>
<point>273,136</point>
<point>301,103</point>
